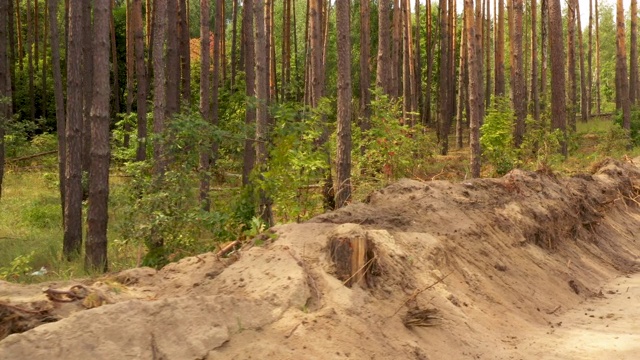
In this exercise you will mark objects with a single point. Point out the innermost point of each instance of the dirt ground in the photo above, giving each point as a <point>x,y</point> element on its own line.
<point>528,266</point>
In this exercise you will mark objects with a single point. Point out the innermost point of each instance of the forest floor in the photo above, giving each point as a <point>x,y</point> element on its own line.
<point>527,266</point>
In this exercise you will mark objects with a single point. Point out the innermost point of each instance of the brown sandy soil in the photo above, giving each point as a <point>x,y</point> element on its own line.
<point>485,269</point>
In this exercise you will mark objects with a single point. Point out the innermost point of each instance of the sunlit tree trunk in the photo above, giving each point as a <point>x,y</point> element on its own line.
<point>517,72</point>
<point>590,60</point>
<point>160,84</point>
<point>87,83</point>
<point>558,100</point>
<point>544,51</point>
<point>474,87</point>
<point>142,79</point>
<point>365,73</point>
<point>429,45</point>
<point>621,68</point>
<point>633,53</point>
<point>97,215</point>
<point>584,98</point>
<point>59,96</point>
<point>249,67</point>
<point>32,105</point>
<point>130,64</point>
<point>571,64</point>
<point>444,94</point>
<point>172,70</point>
<point>383,70</point>
<point>396,51</point>
<point>463,82</point>
<point>5,80</point>
<point>598,65</point>
<point>234,36</point>
<point>205,96</point>
<point>535,96</point>
<point>185,51</point>
<point>343,157</point>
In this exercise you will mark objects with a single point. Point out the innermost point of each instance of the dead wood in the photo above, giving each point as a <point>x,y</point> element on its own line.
<point>28,157</point>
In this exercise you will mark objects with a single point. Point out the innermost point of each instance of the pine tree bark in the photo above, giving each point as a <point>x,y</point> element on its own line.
<point>517,73</point>
<point>584,97</point>
<point>598,65</point>
<point>59,96</point>
<point>262,97</point>
<point>633,53</point>
<point>418,66</point>
<point>396,51</point>
<point>44,62</point>
<point>116,77</point>
<point>535,96</point>
<point>172,71</point>
<point>32,104</point>
<point>73,133</point>
<point>621,69</point>
<point>590,60</point>
<point>544,51</point>
<point>408,77</point>
<point>234,50</point>
<point>343,156</point>
<point>443,133</point>
<point>130,64</point>
<point>463,82</point>
<point>487,60</point>
<point>20,40</point>
<point>97,215</point>
<point>429,44</point>
<point>365,73</point>
<point>12,51</point>
<point>316,50</point>
<point>249,67</point>
<point>142,79</point>
<point>5,80</point>
<point>87,84</point>
<point>558,100</point>
<point>474,87</point>
<point>185,51</point>
<point>160,84</point>
<point>205,95</point>
<point>571,64</point>
<point>384,47</point>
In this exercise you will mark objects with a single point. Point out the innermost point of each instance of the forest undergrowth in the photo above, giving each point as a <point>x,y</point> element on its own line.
<point>30,222</point>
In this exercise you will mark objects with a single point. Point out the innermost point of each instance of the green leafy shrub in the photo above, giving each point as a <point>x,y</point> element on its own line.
<point>541,145</point>
<point>497,136</point>
<point>18,267</point>
<point>634,132</point>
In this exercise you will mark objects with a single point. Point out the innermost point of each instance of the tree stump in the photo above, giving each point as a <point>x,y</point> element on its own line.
<point>351,253</point>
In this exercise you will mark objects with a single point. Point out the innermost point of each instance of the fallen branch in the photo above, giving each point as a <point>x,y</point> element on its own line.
<point>554,310</point>
<point>76,292</point>
<point>32,156</point>
<point>418,292</point>
<point>228,248</point>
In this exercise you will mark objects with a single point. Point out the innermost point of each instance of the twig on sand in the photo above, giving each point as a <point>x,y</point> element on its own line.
<point>554,310</point>
<point>418,292</point>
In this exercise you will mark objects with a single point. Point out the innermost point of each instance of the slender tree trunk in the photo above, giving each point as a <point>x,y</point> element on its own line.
<point>142,79</point>
<point>20,42</point>
<point>97,215</point>
<point>429,44</point>
<point>571,64</point>
<point>544,50</point>
<point>59,96</point>
<point>584,98</point>
<point>12,51</point>
<point>418,65</point>
<point>535,96</point>
<point>160,84</point>
<point>633,53</point>
<point>365,73</point>
<point>32,105</point>
<point>87,83</point>
<point>444,80</point>
<point>262,97</point>
<point>396,51</point>
<point>343,157</point>
<point>173,59</point>
<point>130,59</point>
<point>73,134</point>
<point>487,60</point>
<point>36,34</point>
<point>114,62</point>
<point>408,76</point>
<point>590,60</point>
<point>517,73</point>
<point>558,100</point>
<point>463,82</point>
<point>598,67</point>
<point>273,82</point>
<point>5,80</point>
<point>234,49</point>
<point>286,50</point>
<point>480,58</point>
<point>218,37</point>
<point>474,88</point>
<point>185,51</point>
<point>149,16</point>
<point>621,69</point>
<point>44,62</point>
<point>205,94</point>
<point>383,70</point>
<point>316,48</point>
<point>249,67</point>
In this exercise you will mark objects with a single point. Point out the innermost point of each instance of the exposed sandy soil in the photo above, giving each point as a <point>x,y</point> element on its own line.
<point>505,268</point>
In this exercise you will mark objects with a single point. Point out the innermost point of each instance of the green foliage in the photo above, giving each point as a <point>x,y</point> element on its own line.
<point>634,132</point>
<point>614,140</point>
<point>18,267</point>
<point>393,149</point>
<point>497,136</point>
<point>119,153</point>
<point>541,145</point>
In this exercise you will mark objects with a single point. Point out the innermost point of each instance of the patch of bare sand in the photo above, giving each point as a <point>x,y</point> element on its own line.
<point>497,260</point>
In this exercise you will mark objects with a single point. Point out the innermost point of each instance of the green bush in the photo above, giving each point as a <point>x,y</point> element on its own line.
<point>634,132</point>
<point>497,136</point>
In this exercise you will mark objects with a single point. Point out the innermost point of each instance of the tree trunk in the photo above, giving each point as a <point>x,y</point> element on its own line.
<point>463,82</point>
<point>205,94</point>
<point>621,69</point>
<point>590,60</point>
<point>558,100</point>
<point>571,64</point>
<point>535,96</point>
<point>315,34</point>
<point>262,97</point>
<point>44,62</point>
<point>234,50</point>
<point>12,51</point>
<point>97,215</point>
<point>249,67</point>
<point>59,96</point>
<point>633,75</point>
<point>408,76</point>
<point>173,59</point>
<point>396,51</point>
<point>116,77</point>
<point>5,80</point>
<point>131,70</point>
<point>365,73</point>
<point>32,105</point>
<point>474,88</point>
<point>487,62</point>
<point>383,70</point>
<point>343,156</point>
<point>185,51</point>
<point>36,34</point>
<point>584,98</point>
<point>544,51</point>
<point>418,65</point>
<point>73,134</point>
<point>444,79</point>
<point>20,42</point>
<point>142,78</point>
<point>160,84</point>
<point>517,73</point>
<point>87,83</point>
<point>286,50</point>
<point>598,67</point>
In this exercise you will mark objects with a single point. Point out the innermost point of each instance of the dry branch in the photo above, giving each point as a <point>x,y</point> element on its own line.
<point>32,156</point>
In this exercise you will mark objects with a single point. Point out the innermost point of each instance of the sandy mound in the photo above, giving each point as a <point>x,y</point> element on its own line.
<point>454,271</point>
